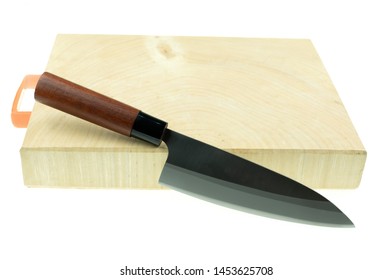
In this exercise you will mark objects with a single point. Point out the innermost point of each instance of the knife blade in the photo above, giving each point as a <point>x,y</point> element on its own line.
<point>194,167</point>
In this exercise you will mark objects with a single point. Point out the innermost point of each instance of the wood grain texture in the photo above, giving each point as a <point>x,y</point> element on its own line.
<point>268,100</point>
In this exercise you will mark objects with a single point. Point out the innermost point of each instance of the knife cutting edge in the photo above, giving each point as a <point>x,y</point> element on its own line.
<point>194,167</point>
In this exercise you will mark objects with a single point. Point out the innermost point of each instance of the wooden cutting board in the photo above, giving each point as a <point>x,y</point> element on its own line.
<point>268,100</point>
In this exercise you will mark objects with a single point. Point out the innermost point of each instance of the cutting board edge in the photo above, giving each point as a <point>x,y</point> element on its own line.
<point>68,168</point>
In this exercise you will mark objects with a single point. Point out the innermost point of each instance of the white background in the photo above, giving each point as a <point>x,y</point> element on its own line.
<point>91,234</point>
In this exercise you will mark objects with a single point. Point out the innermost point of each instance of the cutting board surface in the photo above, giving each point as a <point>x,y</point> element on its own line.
<point>269,100</point>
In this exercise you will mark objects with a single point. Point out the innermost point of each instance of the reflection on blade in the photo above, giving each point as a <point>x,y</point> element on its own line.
<point>206,172</point>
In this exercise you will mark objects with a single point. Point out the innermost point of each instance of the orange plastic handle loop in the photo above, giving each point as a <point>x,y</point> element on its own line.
<point>21,118</point>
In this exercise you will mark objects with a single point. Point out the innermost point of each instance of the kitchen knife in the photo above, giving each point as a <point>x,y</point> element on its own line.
<point>193,167</point>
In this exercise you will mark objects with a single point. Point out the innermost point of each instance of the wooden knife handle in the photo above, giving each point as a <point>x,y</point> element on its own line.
<point>99,109</point>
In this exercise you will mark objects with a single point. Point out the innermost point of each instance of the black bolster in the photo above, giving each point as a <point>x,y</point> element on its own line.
<point>148,128</point>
